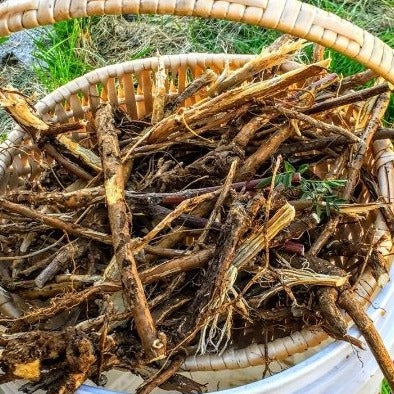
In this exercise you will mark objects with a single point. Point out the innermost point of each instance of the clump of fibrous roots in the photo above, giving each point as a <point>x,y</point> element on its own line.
<point>237,211</point>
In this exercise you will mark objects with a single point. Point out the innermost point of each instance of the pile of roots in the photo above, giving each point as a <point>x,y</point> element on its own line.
<point>220,220</point>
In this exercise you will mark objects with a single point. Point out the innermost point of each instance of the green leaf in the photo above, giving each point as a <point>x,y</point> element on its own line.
<point>289,167</point>
<point>303,168</point>
<point>336,182</point>
<point>287,179</point>
<point>3,39</point>
<point>264,182</point>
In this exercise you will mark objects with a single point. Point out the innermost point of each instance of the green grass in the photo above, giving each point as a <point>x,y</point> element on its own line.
<point>59,53</point>
<point>72,48</point>
<point>223,36</point>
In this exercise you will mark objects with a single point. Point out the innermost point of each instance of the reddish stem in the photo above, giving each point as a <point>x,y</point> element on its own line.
<point>294,247</point>
<point>177,198</point>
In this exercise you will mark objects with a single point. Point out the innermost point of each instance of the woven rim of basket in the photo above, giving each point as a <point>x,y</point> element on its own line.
<point>279,349</point>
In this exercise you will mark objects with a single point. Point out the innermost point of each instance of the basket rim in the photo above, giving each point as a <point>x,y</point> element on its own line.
<point>117,70</point>
<point>289,16</point>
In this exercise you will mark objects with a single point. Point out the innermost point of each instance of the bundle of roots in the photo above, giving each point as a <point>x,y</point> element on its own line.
<point>219,220</point>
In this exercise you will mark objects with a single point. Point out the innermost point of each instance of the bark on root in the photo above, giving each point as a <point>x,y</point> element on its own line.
<point>153,342</point>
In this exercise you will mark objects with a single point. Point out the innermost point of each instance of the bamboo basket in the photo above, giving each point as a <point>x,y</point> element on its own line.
<point>131,84</point>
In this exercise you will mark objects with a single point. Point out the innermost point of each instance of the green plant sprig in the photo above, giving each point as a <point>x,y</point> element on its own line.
<point>317,191</point>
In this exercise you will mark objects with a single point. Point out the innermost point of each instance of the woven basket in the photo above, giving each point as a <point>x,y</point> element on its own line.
<point>117,84</point>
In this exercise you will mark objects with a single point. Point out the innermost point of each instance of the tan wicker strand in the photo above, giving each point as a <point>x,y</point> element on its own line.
<point>57,107</point>
<point>289,16</point>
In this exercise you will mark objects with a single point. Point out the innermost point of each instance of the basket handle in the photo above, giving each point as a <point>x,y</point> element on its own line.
<point>289,16</point>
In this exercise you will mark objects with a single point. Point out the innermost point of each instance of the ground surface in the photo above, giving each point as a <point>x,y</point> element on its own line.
<point>21,46</point>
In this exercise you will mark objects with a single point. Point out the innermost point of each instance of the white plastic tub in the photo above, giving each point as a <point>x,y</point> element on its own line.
<point>337,368</point>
